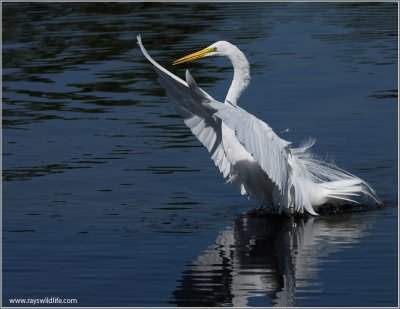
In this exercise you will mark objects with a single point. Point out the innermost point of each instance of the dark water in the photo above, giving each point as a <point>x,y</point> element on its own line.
<point>109,199</point>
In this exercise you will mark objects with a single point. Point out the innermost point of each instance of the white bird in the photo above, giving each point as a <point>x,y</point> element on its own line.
<point>248,152</point>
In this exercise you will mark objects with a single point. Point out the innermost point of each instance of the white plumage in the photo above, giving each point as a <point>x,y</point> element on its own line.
<point>248,152</point>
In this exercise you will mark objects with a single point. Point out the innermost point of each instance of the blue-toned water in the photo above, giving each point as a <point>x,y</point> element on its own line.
<point>110,200</point>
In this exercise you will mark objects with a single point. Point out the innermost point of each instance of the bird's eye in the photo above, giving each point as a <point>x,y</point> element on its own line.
<point>214,49</point>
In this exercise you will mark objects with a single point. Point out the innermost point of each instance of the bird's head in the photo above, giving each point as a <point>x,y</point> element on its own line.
<point>220,48</point>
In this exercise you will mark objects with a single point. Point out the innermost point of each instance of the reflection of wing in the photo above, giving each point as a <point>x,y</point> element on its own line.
<point>266,257</point>
<point>189,102</point>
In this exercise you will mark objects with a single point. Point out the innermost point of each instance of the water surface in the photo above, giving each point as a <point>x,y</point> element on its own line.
<point>109,199</point>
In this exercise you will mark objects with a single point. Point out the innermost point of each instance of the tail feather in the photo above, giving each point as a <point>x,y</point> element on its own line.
<point>332,185</point>
<point>337,192</point>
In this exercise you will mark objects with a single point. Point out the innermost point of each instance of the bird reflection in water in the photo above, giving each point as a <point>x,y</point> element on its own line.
<point>268,257</point>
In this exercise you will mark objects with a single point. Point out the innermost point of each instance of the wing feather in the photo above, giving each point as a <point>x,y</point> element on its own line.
<point>192,105</point>
<point>270,151</point>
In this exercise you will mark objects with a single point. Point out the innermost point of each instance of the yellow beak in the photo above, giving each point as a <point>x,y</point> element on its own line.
<point>197,55</point>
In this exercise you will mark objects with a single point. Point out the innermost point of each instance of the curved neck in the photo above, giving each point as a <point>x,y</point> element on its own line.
<point>241,76</point>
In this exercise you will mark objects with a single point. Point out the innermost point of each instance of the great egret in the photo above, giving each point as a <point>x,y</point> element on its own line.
<point>248,152</point>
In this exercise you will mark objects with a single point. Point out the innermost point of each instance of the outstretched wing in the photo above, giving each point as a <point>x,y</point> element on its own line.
<point>192,105</point>
<point>203,115</point>
<point>268,149</point>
